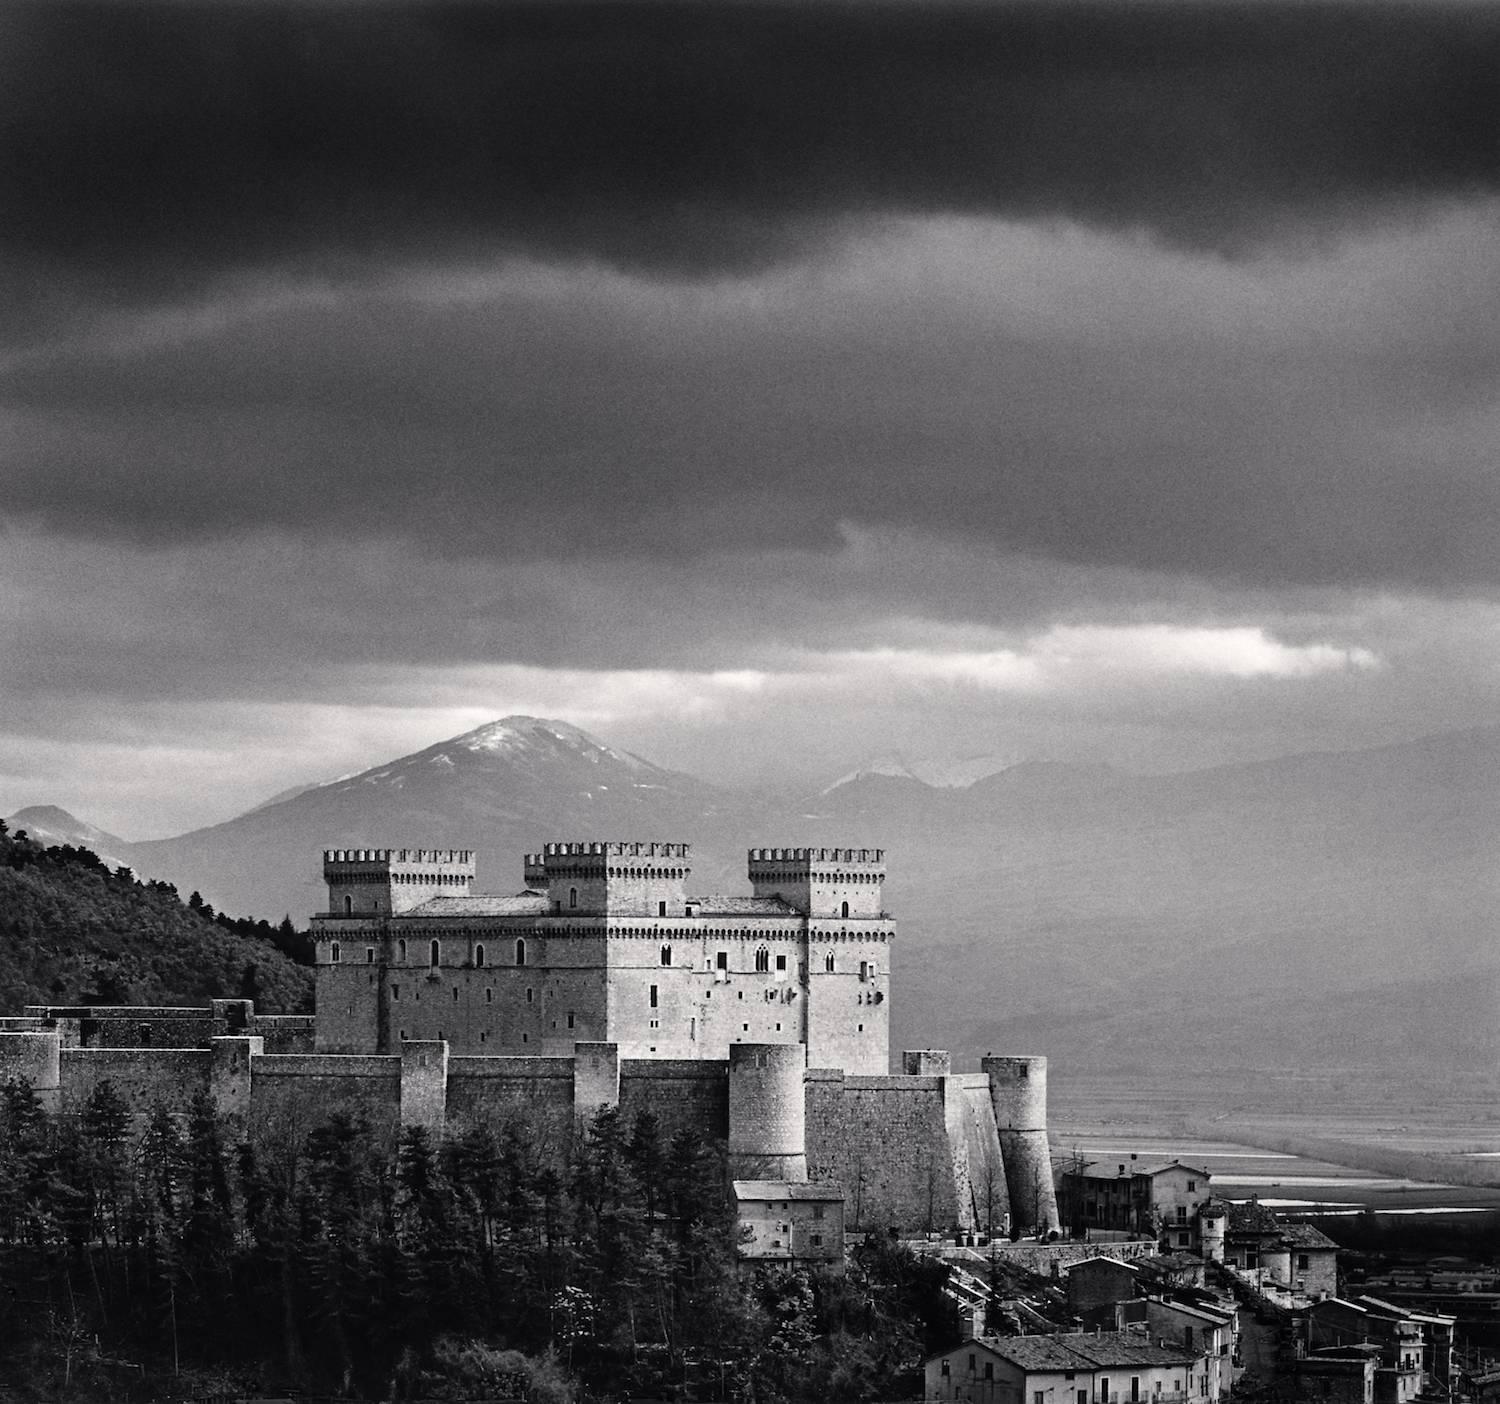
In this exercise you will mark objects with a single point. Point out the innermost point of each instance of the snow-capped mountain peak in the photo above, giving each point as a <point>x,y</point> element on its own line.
<point>515,734</point>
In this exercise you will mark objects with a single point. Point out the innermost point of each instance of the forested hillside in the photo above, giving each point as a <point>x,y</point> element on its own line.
<point>73,931</point>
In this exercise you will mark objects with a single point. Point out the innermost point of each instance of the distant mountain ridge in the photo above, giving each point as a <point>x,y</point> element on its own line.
<point>1212,911</point>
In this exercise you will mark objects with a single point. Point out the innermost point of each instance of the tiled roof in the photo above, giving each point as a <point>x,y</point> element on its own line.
<point>523,904</point>
<point>1160,1167</point>
<point>717,904</point>
<point>1105,1350</point>
<point>1170,1262</point>
<point>1306,1236</point>
<point>1253,1218</point>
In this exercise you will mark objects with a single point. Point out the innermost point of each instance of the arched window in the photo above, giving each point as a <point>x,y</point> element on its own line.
<point>401,948</point>
<point>763,959</point>
<point>666,955</point>
<point>479,955</point>
<point>828,962</point>
<point>572,896</point>
<point>521,951</point>
<point>348,906</point>
<point>435,953</point>
<point>845,910</point>
<point>335,953</point>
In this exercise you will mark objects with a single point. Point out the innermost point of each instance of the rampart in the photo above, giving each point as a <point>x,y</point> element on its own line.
<point>919,1152</point>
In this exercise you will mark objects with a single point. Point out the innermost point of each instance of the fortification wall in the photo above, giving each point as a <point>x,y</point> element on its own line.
<point>305,1089</point>
<point>890,1142</point>
<point>988,1191</point>
<point>34,1058</point>
<point>683,1094</point>
<point>145,1078</point>
<point>537,1092</point>
<point>285,1033</point>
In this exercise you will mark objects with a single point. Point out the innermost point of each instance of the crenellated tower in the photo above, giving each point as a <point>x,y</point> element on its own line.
<point>822,882</point>
<point>389,881</point>
<point>612,879</point>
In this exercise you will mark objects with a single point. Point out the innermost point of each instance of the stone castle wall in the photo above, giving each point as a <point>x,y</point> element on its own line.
<point>917,1152</point>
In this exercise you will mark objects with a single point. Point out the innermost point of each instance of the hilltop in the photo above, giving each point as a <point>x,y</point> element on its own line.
<point>75,931</point>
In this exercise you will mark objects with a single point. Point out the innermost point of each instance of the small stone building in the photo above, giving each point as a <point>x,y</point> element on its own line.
<point>1069,1368</point>
<point>794,1224</point>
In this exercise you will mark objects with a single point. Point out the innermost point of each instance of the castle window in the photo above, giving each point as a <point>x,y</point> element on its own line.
<point>401,948</point>
<point>861,1028</point>
<point>521,956</point>
<point>530,993</point>
<point>661,909</point>
<point>864,970</point>
<point>666,955</point>
<point>403,1035</point>
<point>479,955</point>
<point>435,953</point>
<point>369,955</point>
<point>828,962</point>
<point>489,995</point>
<point>348,906</point>
<point>721,960</point>
<point>763,959</point>
<point>570,1018</point>
<point>653,996</point>
<point>482,1035</point>
<point>781,962</point>
<point>334,954</point>
<point>395,991</point>
<point>572,896</point>
<point>844,910</point>
<point>455,994</point>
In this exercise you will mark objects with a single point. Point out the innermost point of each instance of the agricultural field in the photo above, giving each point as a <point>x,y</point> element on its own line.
<point>1345,1160</point>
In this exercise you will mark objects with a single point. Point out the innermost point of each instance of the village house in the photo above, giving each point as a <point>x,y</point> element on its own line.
<point>785,1222</point>
<point>1415,1348</point>
<point>1071,1368</point>
<point>1345,1375</point>
<point>1295,1257</point>
<point>1154,1200</point>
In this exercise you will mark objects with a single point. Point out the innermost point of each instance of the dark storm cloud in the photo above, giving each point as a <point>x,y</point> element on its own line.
<point>149,146</point>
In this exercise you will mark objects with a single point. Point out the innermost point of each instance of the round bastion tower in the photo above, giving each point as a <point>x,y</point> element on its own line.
<point>1018,1093</point>
<point>767,1112</point>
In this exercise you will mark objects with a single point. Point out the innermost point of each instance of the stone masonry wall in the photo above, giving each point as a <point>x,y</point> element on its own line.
<point>886,1140</point>
<point>681,1093</point>
<point>144,1077</point>
<point>536,1092</point>
<point>306,1089</point>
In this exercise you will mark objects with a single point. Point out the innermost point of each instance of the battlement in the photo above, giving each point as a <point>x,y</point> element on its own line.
<point>843,856</point>
<point>607,849</point>
<point>374,882</point>
<point>617,877</point>
<point>333,857</point>
<point>821,882</point>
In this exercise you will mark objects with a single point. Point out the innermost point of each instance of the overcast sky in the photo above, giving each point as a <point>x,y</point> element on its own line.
<point>764,387</point>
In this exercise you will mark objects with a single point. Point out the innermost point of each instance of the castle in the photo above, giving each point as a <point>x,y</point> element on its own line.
<point>761,1021</point>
